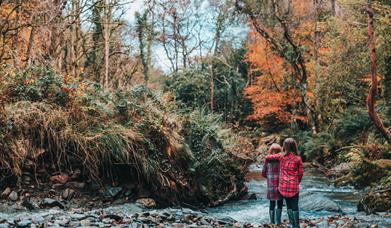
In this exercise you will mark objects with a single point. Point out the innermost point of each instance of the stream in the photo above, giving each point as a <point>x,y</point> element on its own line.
<point>319,201</point>
<point>318,198</point>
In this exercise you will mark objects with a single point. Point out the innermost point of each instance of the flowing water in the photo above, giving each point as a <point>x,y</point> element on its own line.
<point>257,211</point>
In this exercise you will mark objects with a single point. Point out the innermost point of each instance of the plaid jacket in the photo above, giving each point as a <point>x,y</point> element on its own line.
<point>271,171</point>
<point>291,173</point>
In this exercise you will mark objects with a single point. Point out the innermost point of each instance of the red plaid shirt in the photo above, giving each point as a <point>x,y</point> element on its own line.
<point>291,173</point>
<point>271,171</point>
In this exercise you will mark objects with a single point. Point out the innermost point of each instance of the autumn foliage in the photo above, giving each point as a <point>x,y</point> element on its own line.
<point>272,97</point>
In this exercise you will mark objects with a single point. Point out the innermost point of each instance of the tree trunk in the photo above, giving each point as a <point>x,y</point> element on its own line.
<point>107,26</point>
<point>333,7</point>
<point>212,88</point>
<point>318,113</point>
<point>30,47</point>
<point>75,37</point>
<point>371,100</point>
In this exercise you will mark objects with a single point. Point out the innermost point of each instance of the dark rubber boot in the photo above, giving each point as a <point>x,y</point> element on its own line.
<point>291,219</point>
<point>278,216</point>
<point>296,219</point>
<point>271,214</point>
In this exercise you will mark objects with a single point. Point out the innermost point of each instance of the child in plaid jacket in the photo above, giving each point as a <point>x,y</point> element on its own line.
<point>271,171</point>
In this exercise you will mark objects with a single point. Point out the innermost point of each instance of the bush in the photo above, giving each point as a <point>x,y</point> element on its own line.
<point>352,125</point>
<point>319,146</point>
<point>38,84</point>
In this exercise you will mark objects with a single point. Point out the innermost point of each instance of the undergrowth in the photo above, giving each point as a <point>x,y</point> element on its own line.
<point>61,124</point>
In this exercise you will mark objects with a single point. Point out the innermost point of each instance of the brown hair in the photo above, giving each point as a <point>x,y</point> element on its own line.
<point>274,149</point>
<point>290,146</point>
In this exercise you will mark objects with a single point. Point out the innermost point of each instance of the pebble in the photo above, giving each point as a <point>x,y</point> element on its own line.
<point>13,196</point>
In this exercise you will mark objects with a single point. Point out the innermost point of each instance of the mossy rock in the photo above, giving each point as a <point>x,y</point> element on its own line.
<point>378,199</point>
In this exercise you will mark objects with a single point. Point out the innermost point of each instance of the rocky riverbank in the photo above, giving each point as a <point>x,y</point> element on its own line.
<point>131,215</point>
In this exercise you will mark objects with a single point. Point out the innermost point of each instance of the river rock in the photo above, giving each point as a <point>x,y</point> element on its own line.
<point>24,223</point>
<point>317,202</point>
<point>6,192</point>
<point>378,199</point>
<point>85,222</point>
<point>112,192</point>
<point>48,202</point>
<point>60,178</point>
<point>68,193</point>
<point>75,185</point>
<point>28,204</point>
<point>13,196</point>
<point>146,202</point>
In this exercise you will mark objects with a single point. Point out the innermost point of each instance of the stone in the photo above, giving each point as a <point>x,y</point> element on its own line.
<point>28,204</point>
<point>24,223</point>
<point>112,192</point>
<point>85,222</point>
<point>13,196</point>
<point>78,216</point>
<point>253,196</point>
<point>48,203</point>
<point>60,178</point>
<point>117,218</point>
<point>76,174</point>
<point>146,202</point>
<point>6,192</point>
<point>317,202</point>
<point>68,193</point>
<point>204,222</point>
<point>322,224</point>
<point>75,185</point>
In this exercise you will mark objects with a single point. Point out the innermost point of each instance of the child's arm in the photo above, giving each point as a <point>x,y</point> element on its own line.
<point>300,170</point>
<point>273,157</point>
<point>264,170</point>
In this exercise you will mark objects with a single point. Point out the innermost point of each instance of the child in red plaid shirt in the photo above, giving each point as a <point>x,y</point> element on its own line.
<point>291,173</point>
<point>271,171</point>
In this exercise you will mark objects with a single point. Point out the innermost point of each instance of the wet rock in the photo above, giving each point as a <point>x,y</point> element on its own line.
<point>28,204</point>
<point>76,174</point>
<point>322,224</point>
<point>60,178</point>
<point>26,178</point>
<point>112,192</point>
<point>146,202</point>
<point>13,196</point>
<point>317,202</point>
<point>24,223</point>
<point>68,193</point>
<point>48,203</point>
<point>252,196</point>
<point>85,222</point>
<point>378,199</point>
<point>6,192</point>
<point>117,218</point>
<point>75,185</point>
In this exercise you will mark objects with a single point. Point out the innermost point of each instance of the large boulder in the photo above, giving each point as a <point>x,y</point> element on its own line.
<point>310,201</point>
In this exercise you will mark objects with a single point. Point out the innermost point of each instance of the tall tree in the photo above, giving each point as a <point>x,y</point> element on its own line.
<point>371,99</point>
